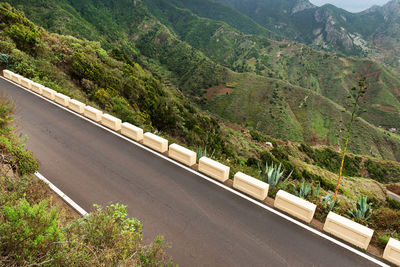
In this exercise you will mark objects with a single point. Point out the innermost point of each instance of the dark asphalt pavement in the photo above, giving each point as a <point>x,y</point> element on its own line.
<point>205,224</point>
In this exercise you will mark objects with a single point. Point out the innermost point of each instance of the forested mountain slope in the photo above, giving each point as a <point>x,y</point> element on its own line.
<point>202,55</point>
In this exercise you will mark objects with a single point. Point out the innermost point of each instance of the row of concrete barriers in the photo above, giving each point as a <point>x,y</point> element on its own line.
<point>304,210</point>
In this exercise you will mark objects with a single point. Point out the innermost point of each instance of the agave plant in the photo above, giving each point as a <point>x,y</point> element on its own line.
<point>316,194</point>
<point>203,152</point>
<point>272,174</point>
<point>304,190</point>
<point>330,202</point>
<point>362,211</point>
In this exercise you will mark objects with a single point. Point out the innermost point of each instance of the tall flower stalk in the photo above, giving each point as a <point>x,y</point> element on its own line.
<point>356,107</point>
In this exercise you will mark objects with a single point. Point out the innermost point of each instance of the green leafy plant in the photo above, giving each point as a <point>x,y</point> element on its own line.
<point>29,233</point>
<point>383,240</point>
<point>317,190</point>
<point>330,202</point>
<point>305,190</point>
<point>203,153</point>
<point>21,158</point>
<point>362,211</point>
<point>4,60</point>
<point>272,174</point>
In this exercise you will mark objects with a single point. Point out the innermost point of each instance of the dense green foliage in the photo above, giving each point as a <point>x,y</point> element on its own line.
<point>12,149</point>
<point>330,160</point>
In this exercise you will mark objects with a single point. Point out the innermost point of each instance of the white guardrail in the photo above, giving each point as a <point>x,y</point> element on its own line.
<point>182,154</point>
<point>155,142</point>
<point>214,169</point>
<point>295,206</point>
<point>392,251</point>
<point>337,225</point>
<point>111,122</point>
<point>354,233</point>
<point>132,131</point>
<point>250,186</point>
<point>61,99</point>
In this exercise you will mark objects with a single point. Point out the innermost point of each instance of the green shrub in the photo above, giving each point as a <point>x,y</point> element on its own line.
<point>15,188</point>
<point>29,234</point>
<point>257,136</point>
<point>6,110</point>
<point>266,156</point>
<point>383,240</point>
<point>4,60</point>
<point>306,149</point>
<point>280,154</point>
<point>24,37</point>
<point>386,219</point>
<point>113,238</point>
<point>375,171</point>
<point>21,158</point>
<point>251,162</point>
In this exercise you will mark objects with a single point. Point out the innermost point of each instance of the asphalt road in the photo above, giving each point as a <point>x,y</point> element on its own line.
<point>205,224</point>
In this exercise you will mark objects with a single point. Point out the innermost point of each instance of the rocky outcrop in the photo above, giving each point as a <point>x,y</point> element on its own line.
<point>302,5</point>
<point>333,35</point>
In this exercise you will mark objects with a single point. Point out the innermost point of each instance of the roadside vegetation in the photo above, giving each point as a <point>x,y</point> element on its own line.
<point>140,90</point>
<point>36,230</point>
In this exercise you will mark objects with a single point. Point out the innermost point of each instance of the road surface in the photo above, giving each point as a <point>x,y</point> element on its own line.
<point>205,224</point>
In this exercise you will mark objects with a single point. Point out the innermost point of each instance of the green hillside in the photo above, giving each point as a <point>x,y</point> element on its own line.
<point>195,54</point>
<point>325,74</point>
<point>84,70</point>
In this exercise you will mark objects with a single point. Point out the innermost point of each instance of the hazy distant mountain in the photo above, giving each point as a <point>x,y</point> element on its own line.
<point>374,32</point>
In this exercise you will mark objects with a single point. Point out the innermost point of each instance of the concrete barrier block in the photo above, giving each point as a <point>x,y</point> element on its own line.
<point>214,169</point>
<point>250,186</point>
<point>392,251</point>
<point>15,78</point>
<point>182,154</point>
<point>7,74</point>
<point>37,88</point>
<point>48,93</point>
<point>295,206</point>
<point>26,83</point>
<point>76,106</point>
<point>92,113</point>
<point>155,142</point>
<point>132,131</point>
<point>62,99</point>
<point>350,231</point>
<point>111,122</point>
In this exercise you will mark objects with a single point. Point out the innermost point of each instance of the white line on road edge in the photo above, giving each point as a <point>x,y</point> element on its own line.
<point>337,242</point>
<point>62,195</point>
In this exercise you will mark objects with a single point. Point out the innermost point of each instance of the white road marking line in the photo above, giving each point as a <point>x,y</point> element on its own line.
<point>70,202</point>
<point>337,242</point>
